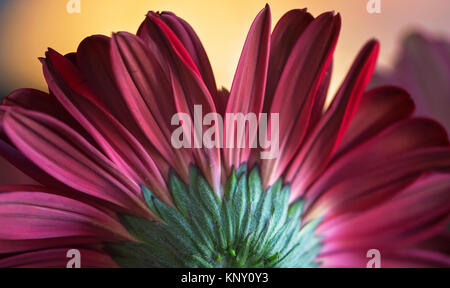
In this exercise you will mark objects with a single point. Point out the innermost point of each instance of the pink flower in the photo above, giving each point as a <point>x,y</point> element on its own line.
<point>423,68</point>
<point>368,175</point>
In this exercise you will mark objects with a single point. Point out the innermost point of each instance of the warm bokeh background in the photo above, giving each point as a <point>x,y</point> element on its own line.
<point>28,27</point>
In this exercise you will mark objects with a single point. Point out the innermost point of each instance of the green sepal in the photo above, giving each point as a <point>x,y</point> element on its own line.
<point>246,227</point>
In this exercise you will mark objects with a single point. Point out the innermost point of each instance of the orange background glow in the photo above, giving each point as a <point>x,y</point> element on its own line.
<point>28,27</point>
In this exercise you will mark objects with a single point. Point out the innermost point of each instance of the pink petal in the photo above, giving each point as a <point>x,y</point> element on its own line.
<point>147,91</point>
<point>62,153</point>
<point>122,148</point>
<point>403,258</point>
<point>94,62</point>
<point>248,89</point>
<point>379,108</point>
<point>317,151</point>
<point>298,87</point>
<point>411,216</point>
<point>194,47</point>
<point>57,258</point>
<point>285,35</point>
<point>380,152</point>
<point>12,155</point>
<point>39,101</point>
<point>29,212</point>
<point>187,84</point>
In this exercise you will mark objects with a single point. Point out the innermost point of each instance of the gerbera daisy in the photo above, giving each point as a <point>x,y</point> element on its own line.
<point>361,174</point>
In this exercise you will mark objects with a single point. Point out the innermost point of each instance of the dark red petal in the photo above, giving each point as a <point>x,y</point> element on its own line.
<point>121,147</point>
<point>221,100</point>
<point>187,85</point>
<point>318,108</point>
<point>247,91</point>
<point>410,217</point>
<point>298,88</point>
<point>148,94</point>
<point>284,37</point>
<point>379,108</point>
<point>11,174</point>
<point>399,258</point>
<point>381,152</point>
<point>318,150</point>
<point>194,47</point>
<point>32,213</point>
<point>39,101</point>
<point>163,42</point>
<point>94,62</point>
<point>57,258</point>
<point>64,154</point>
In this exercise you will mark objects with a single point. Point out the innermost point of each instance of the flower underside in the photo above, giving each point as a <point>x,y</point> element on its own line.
<point>244,228</point>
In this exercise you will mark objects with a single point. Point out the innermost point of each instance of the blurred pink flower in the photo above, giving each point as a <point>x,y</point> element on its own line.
<point>423,69</point>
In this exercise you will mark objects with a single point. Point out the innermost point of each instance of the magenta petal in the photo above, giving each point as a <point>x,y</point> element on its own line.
<point>39,101</point>
<point>194,47</point>
<point>31,213</point>
<point>121,147</point>
<point>188,89</point>
<point>248,89</point>
<point>399,258</point>
<point>317,151</point>
<point>94,62</point>
<point>409,217</point>
<point>298,87</point>
<point>379,108</point>
<point>147,92</point>
<point>380,152</point>
<point>21,162</point>
<point>57,258</point>
<point>284,37</point>
<point>318,108</point>
<point>65,155</point>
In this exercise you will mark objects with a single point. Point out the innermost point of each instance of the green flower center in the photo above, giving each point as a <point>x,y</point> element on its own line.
<point>246,228</point>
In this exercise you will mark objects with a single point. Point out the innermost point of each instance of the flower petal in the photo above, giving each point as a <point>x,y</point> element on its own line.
<point>194,47</point>
<point>94,62</point>
<point>317,151</point>
<point>298,88</point>
<point>248,89</point>
<point>189,87</point>
<point>402,258</point>
<point>147,91</point>
<point>121,147</point>
<point>380,152</point>
<point>28,212</point>
<point>379,108</point>
<point>64,154</point>
<point>39,101</point>
<point>57,258</point>
<point>409,217</point>
<point>424,69</point>
<point>285,35</point>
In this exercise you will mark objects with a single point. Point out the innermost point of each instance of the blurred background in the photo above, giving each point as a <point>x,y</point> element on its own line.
<point>28,27</point>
